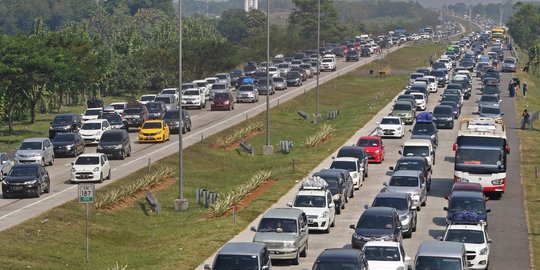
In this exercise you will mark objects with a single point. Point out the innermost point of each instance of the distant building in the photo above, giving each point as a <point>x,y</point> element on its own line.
<point>251,4</point>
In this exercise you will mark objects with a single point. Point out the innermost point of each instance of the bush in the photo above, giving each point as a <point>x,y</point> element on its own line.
<point>324,131</point>
<point>237,135</point>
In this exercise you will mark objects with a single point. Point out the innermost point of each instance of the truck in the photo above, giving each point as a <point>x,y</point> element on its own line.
<point>481,151</point>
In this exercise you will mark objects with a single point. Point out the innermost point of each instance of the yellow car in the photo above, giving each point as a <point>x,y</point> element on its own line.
<point>154,131</point>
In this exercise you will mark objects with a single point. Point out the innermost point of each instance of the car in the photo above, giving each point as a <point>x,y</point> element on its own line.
<point>356,152</point>
<point>210,81</point>
<point>328,64</point>
<point>490,112</point>
<point>407,97</point>
<point>476,240</point>
<point>441,77</point>
<point>90,168</point>
<point>384,255</point>
<point>425,128</point>
<point>193,98</point>
<point>466,206</point>
<point>354,166</point>
<point>91,130</point>
<point>115,120</point>
<point>340,185</point>
<point>352,56</point>
<point>285,233</point>
<point>404,206</point>
<point>217,87</point>
<point>303,73</point>
<point>242,255</point>
<point>441,255</point>
<point>222,101</point>
<point>135,115</point>
<point>26,179</point>
<point>119,107</point>
<point>374,147</point>
<point>491,90</point>
<point>365,52</point>
<point>405,111</point>
<point>414,76</point>
<point>62,123</point>
<point>170,100</point>
<point>225,78</point>
<point>310,72</point>
<point>391,126</point>
<point>115,144</point>
<point>35,150</point>
<point>172,119</point>
<point>341,258</point>
<point>443,116</point>
<point>376,224</point>
<point>315,199</point>
<point>247,93</point>
<point>154,131</point>
<point>488,101</point>
<point>5,165</point>
<point>414,164</point>
<point>432,85</point>
<point>68,144</point>
<point>421,101</point>
<point>509,64</point>
<point>279,83</point>
<point>203,86</point>
<point>156,109</point>
<point>452,97</point>
<point>467,86</point>
<point>91,114</point>
<point>263,90</point>
<point>419,148</point>
<point>411,182</point>
<point>147,98</point>
<point>456,111</point>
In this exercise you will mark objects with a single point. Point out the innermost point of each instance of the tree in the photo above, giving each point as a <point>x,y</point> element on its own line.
<point>304,20</point>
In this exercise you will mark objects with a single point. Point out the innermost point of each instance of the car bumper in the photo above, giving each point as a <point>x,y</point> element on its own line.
<point>111,153</point>
<point>28,160</point>
<point>90,139</point>
<point>79,177</point>
<point>220,106</point>
<point>53,133</point>
<point>374,157</point>
<point>245,99</point>
<point>133,123</point>
<point>191,104</point>
<point>496,189</point>
<point>155,138</point>
<point>20,189</point>
<point>391,133</point>
<point>477,261</point>
<point>318,224</point>
<point>283,254</point>
<point>63,151</point>
<point>446,124</point>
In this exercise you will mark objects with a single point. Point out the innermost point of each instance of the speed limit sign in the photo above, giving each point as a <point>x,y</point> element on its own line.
<point>86,193</point>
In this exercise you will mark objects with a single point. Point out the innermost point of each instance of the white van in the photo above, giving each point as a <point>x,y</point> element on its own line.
<point>441,255</point>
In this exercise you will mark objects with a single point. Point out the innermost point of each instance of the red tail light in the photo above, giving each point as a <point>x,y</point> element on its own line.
<point>454,147</point>
<point>508,149</point>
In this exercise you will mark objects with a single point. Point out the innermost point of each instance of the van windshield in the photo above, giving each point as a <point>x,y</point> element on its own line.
<point>279,225</point>
<point>471,205</point>
<point>346,165</point>
<point>310,201</point>
<point>387,254</point>
<point>375,222</point>
<point>225,261</point>
<point>439,263</point>
<point>403,181</point>
<point>416,151</point>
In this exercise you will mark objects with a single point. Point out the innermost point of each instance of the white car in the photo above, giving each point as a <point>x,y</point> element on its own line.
<point>419,148</point>
<point>147,98</point>
<point>476,240</point>
<point>328,64</point>
<point>203,86</point>
<point>90,168</point>
<point>420,99</point>
<point>391,126</point>
<point>119,107</point>
<point>170,91</point>
<point>316,201</point>
<point>92,113</point>
<point>432,86</point>
<point>385,255</point>
<point>273,71</point>
<point>353,165</point>
<point>210,81</point>
<point>193,98</point>
<point>91,130</point>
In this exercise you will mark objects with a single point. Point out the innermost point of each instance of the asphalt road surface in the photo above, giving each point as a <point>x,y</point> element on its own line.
<point>507,223</point>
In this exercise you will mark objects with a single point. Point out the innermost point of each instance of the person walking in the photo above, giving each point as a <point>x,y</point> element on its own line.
<point>526,117</point>
<point>525,89</point>
<point>511,89</point>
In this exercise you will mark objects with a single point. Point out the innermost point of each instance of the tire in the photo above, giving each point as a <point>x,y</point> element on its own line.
<point>52,161</point>
<point>38,193</point>
<point>43,162</point>
<point>189,128</point>
<point>303,254</point>
<point>204,105</point>
<point>414,225</point>
<point>408,234</point>
<point>1,176</point>
<point>48,189</point>
<point>352,193</point>
<point>343,203</point>
<point>6,196</point>
<point>109,176</point>
<point>129,152</point>
<point>338,210</point>
<point>100,178</point>
<point>123,155</point>
<point>424,203</point>
<point>295,261</point>
<point>184,130</point>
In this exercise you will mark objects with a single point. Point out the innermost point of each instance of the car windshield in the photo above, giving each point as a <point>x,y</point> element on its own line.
<point>111,137</point>
<point>219,86</point>
<point>151,125</point>
<point>509,61</point>
<point>221,96</point>
<point>310,201</point>
<point>490,110</point>
<point>147,98</point>
<point>439,263</point>
<point>375,222</point>
<point>336,264</point>
<point>418,96</point>
<point>402,107</point>
<point>390,121</point>
<point>92,112</point>
<point>201,84</point>
<point>449,103</point>
<point>403,181</point>
<point>62,119</point>
<point>368,143</point>
<point>154,107</point>
<point>23,171</point>
<point>346,165</point>
<point>464,204</point>
<point>415,151</point>
<point>247,88</point>
<point>465,236</point>
<point>409,165</point>
<point>132,111</point>
<point>65,137</point>
<point>442,111</point>
<point>114,119</point>
<point>191,93</point>
<point>188,86</point>
<point>398,203</point>
<point>91,126</point>
<point>351,153</point>
<point>278,79</point>
<point>279,225</point>
<point>327,60</point>
<point>211,81</point>
<point>231,262</point>
<point>283,66</point>
<point>374,253</point>
<point>423,129</point>
<point>165,100</point>
<point>171,115</point>
<point>87,161</point>
<point>118,106</point>
<point>486,98</point>
<point>169,92</point>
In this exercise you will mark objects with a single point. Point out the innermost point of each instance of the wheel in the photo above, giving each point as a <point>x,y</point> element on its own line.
<point>38,192</point>
<point>295,261</point>
<point>183,130</point>
<point>43,162</point>
<point>408,234</point>
<point>101,178</point>
<point>343,204</point>
<point>204,105</point>
<point>1,176</point>
<point>129,151</point>
<point>352,193</point>
<point>232,107</point>
<point>333,224</point>
<point>338,210</point>
<point>303,254</point>
<point>6,196</point>
<point>48,189</point>
<point>52,161</point>
<point>123,155</point>
<point>109,176</point>
<point>414,225</point>
<point>424,203</point>
<point>189,127</point>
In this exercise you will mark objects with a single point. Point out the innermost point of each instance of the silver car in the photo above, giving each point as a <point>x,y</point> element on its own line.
<point>35,150</point>
<point>279,83</point>
<point>5,165</point>
<point>410,182</point>
<point>488,101</point>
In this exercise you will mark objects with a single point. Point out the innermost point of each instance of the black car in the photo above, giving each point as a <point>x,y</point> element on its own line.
<point>235,74</point>
<point>337,186</point>
<point>341,258</point>
<point>404,206</point>
<point>115,120</point>
<point>414,163</point>
<point>457,86</point>
<point>441,77</point>
<point>467,87</point>
<point>366,52</point>
<point>462,202</point>
<point>26,179</point>
<point>352,56</point>
<point>425,130</point>
<point>491,90</point>
<point>156,109</point>
<point>64,123</point>
<point>455,107</point>
<point>172,119</point>
<point>115,143</point>
<point>68,144</point>
<point>425,71</point>
<point>356,152</point>
<point>135,115</point>
<point>443,116</point>
<point>376,223</point>
<point>294,78</point>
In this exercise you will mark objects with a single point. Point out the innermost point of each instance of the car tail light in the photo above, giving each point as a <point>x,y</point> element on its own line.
<point>508,149</point>
<point>454,147</point>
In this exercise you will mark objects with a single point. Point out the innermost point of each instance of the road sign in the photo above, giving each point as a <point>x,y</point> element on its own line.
<point>86,193</point>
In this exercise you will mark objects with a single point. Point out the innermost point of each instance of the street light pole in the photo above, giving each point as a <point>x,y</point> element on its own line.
<point>317,107</point>
<point>181,203</point>
<point>268,149</point>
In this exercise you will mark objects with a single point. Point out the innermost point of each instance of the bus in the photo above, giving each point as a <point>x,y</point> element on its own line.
<point>498,33</point>
<point>481,151</point>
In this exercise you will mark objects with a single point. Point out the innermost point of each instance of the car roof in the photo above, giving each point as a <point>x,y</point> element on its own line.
<point>411,158</point>
<point>95,121</point>
<point>242,248</point>
<point>441,249</point>
<point>336,254</point>
<point>34,140</point>
<point>406,173</point>
<point>287,213</point>
<point>391,117</point>
<point>466,194</point>
<point>369,138</point>
<point>396,195</point>
<point>348,159</point>
<point>91,155</point>
<point>381,243</point>
<point>470,227</point>
<point>421,142</point>
<point>379,210</point>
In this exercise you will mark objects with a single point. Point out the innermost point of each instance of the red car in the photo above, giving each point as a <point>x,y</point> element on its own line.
<point>222,101</point>
<point>374,147</point>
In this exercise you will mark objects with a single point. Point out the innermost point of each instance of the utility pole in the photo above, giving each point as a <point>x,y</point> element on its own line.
<point>317,105</point>
<point>268,149</point>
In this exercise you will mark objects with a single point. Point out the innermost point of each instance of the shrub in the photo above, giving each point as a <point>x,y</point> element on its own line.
<point>238,134</point>
<point>323,132</point>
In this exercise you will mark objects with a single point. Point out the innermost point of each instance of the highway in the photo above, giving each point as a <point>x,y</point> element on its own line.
<point>205,123</point>
<point>507,221</point>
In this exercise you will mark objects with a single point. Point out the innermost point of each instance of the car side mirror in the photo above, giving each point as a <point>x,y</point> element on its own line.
<point>413,207</point>
<point>72,163</point>
<point>445,208</point>
<point>331,205</point>
<point>289,204</point>
<point>352,227</point>
<point>266,267</point>
<point>366,206</point>
<point>502,113</point>
<point>488,210</point>
<point>440,238</point>
<point>399,152</point>
<point>207,267</point>
<point>303,229</point>
<point>377,123</point>
<point>253,229</point>
<point>490,241</point>
<point>391,168</point>
<point>385,184</point>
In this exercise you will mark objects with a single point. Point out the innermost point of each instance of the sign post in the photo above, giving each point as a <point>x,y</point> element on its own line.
<point>86,195</point>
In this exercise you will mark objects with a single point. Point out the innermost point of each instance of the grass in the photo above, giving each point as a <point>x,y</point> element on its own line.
<point>417,56</point>
<point>24,129</point>
<point>530,160</point>
<point>173,240</point>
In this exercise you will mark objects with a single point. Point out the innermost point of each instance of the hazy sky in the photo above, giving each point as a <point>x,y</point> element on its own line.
<point>440,3</point>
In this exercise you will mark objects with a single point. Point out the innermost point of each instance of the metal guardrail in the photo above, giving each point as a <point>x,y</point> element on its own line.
<point>205,197</point>
<point>533,117</point>
<point>153,201</point>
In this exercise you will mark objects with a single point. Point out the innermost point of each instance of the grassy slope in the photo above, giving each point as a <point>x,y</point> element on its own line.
<point>183,240</point>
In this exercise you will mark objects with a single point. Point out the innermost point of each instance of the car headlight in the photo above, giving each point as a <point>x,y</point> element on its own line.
<point>387,237</point>
<point>324,214</point>
<point>497,182</point>
<point>73,170</point>
<point>290,244</point>
<point>355,175</point>
<point>31,182</point>
<point>51,128</point>
<point>399,128</point>
<point>462,180</point>
<point>158,133</point>
<point>117,147</point>
<point>96,169</point>
<point>356,236</point>
<point>5,182</point>
<point>378,151</point>
<point>404,217</point>
<point>483,251</point>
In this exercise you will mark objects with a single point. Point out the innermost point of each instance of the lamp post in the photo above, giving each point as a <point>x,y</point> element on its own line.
<point>317,107</point>
<point>268,149</point>
<point>180,203</point>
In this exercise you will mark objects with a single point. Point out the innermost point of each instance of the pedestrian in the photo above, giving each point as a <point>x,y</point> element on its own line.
<point>526,118</point>
<point>525,89</point>
<point>431,60</point>
<point>511,88</point>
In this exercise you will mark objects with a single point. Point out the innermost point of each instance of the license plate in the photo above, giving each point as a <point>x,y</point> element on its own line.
<point>149,138</point>
<point>498,189</point>
<point>274,252</point>
<point>16,187</point>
